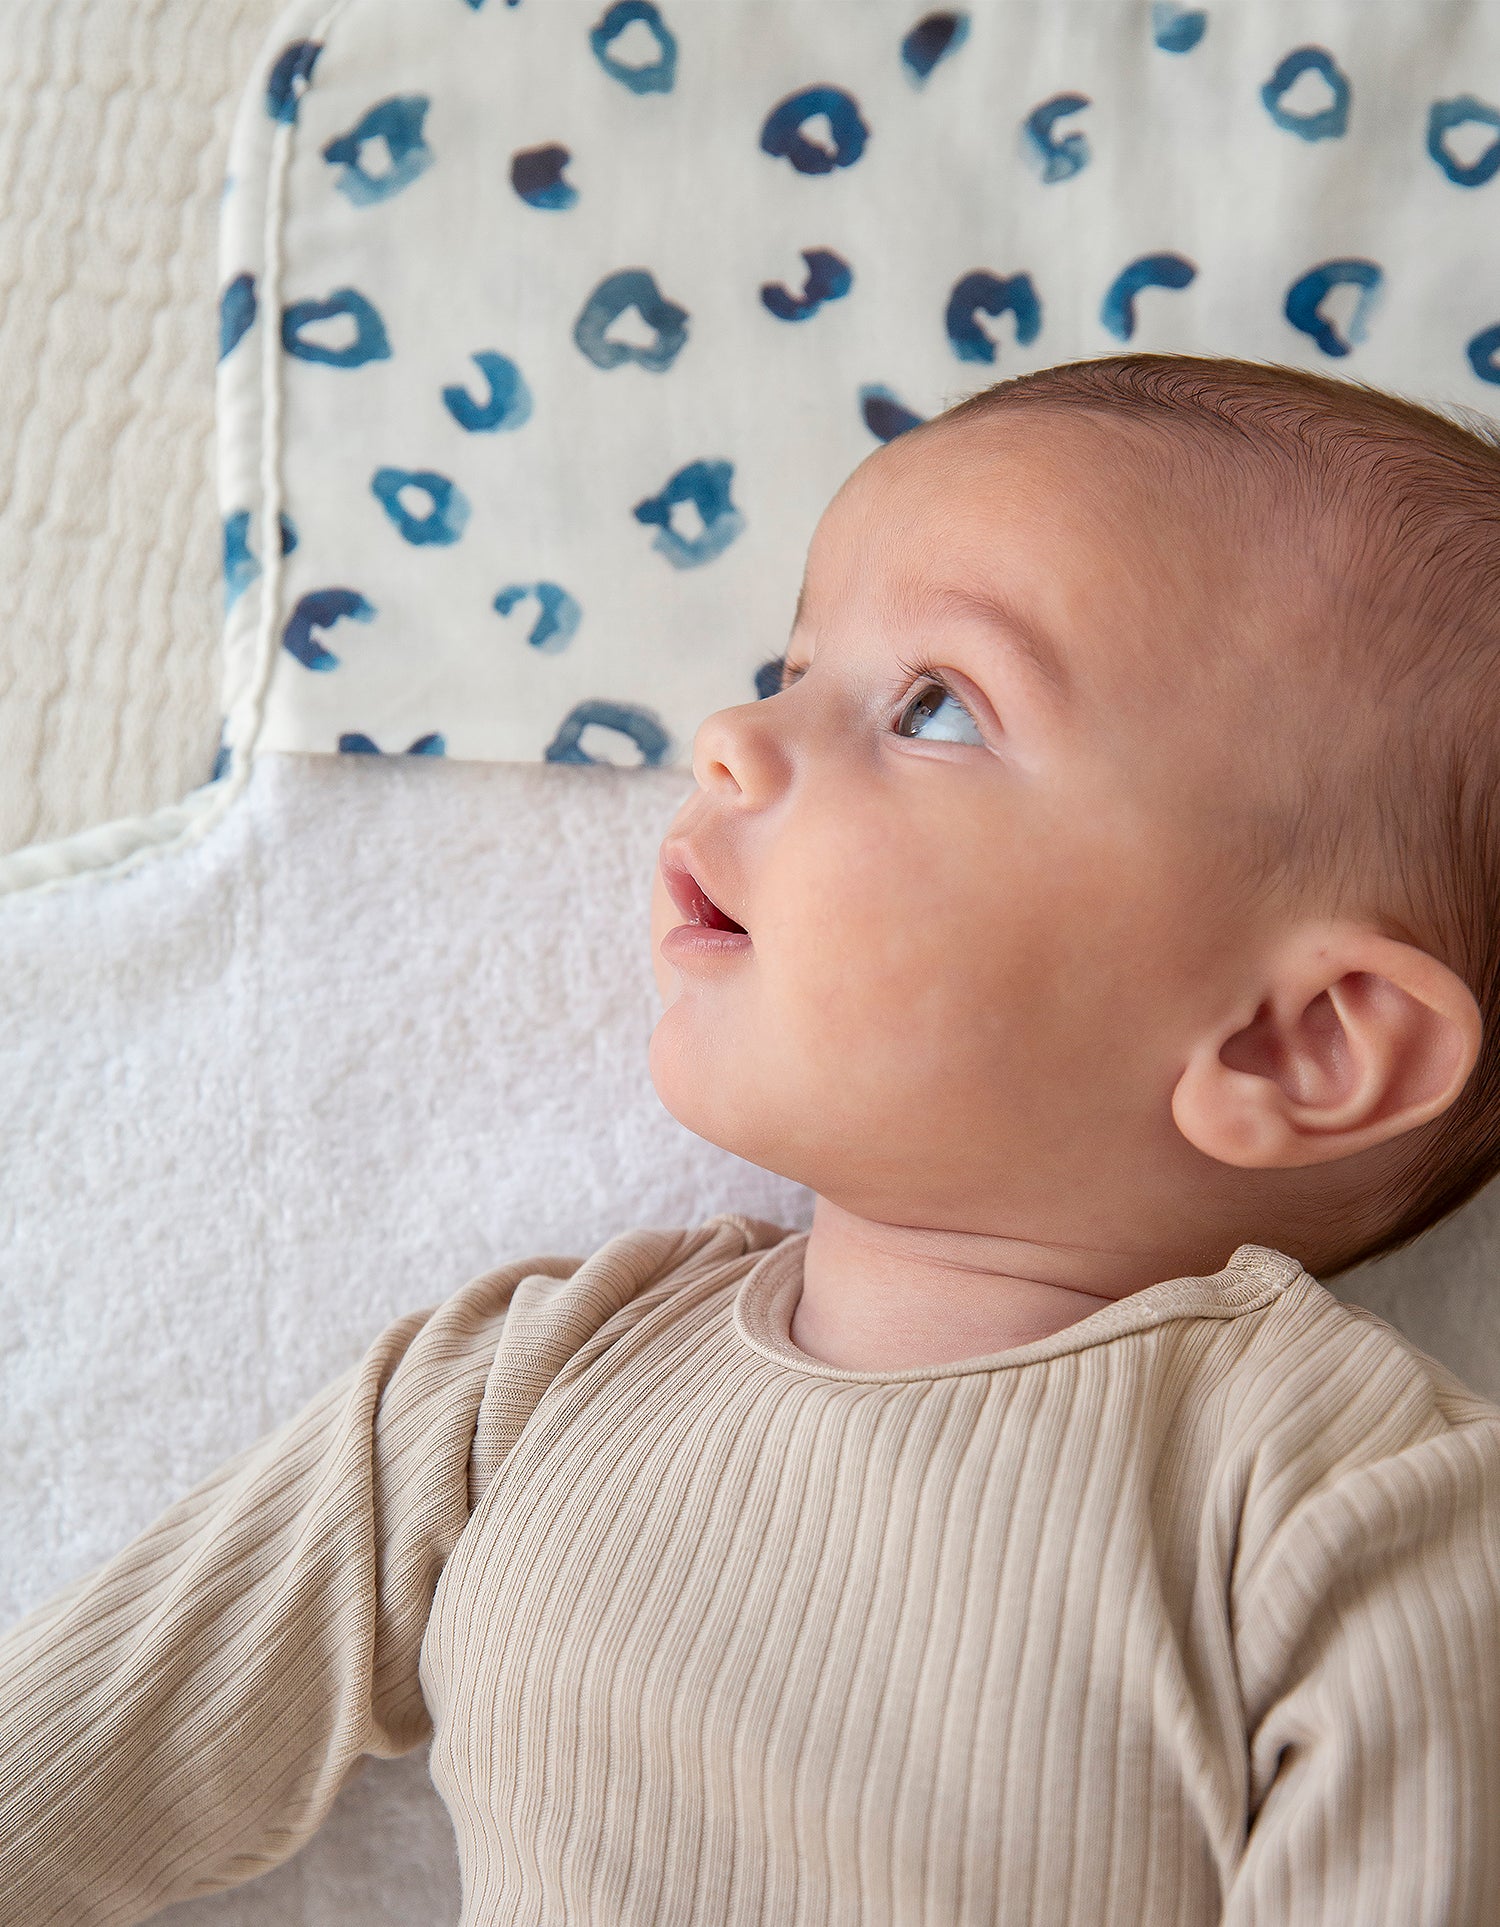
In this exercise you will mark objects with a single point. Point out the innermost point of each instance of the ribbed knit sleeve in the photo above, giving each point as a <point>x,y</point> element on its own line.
<point>181,1719</point>
<point>1369,1649</point>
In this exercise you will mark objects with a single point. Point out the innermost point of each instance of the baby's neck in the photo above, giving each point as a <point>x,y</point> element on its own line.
<point>881,1297</point>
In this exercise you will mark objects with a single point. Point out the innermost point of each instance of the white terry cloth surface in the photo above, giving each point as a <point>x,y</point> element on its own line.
<point>382,1028</point>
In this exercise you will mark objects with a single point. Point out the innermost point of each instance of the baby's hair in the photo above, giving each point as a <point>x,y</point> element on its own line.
<point>1393,511</point>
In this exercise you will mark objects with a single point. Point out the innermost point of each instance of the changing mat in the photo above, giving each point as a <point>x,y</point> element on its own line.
<point>547,331</point>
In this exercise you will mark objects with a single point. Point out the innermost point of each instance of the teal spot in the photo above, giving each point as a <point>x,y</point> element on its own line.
<point>397,125</point>
<point>630,288</point>
<point>991,294</point>
<point>1177,30</point>
<point>447,511</point>
<point>558,615</point>
<point>783,138</point>
<point>1328,123</point>
<point>1463,111</point>
<point>370,342</point>
<point>885,415</point>
<point>320,609</point>
<point>1151,271</point>
<point>705,485</point>
<point>290,79</point>
<point>507,405</point>
<point>1305,297</point>
<point>828,278</point>
<point>1055,159</point>
<point>655,78</point>
<point>933,38</point>
<point>637,726</point>
<point>236,312</point>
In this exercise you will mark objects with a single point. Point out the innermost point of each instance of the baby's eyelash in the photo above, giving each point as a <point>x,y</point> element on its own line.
<point>915,669</point>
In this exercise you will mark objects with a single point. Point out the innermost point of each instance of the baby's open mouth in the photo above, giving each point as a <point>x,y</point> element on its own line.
<point>690,897</point>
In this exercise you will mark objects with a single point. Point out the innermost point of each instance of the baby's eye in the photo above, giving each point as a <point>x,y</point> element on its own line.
<point>931,700</point>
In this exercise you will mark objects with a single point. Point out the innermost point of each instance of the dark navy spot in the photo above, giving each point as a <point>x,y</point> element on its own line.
<point>1463,111</point>
<point>768,678</point>
<point>1151,271</point>
<point>558,617</point>
<point>397,124</point>
<point>782,134</point>
<point>1054,159</point>
<point>369,343</point>
<point>657,77</point>
<point>933,37</point>
<point>1304,300</point>
<point>320,609</point>
<point>353,743</point>
<point>991,294</point>
<point>536,173</point>
<point>637,726</point>
<point>1327,123</point>
<point>507,405</point>
<point>828,279</point>
<point>236,312</point>
<point>241,566</point>
<point>885,416</point>
<point>705,485</point>
<point>290,78</point>
<point>1483,351</point>
<point>630,287</point>
<point>223,755</point>
<point>1177,30</point>
<point>447,510</point>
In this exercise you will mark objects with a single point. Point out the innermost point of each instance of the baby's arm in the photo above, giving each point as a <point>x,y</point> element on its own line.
<point>1369,1642</point>
<point>182,1718</point>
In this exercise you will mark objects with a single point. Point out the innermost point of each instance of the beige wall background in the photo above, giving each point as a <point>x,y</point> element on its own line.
<point>114,126</point>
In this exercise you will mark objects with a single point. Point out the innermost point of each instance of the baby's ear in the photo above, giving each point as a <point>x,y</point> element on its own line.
<point>1355,1039</point>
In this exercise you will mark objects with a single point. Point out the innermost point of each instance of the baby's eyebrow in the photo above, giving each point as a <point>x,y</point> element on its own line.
<point>1030,644</point>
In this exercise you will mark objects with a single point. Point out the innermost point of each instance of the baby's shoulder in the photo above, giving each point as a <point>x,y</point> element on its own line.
<point>1320,1394</point>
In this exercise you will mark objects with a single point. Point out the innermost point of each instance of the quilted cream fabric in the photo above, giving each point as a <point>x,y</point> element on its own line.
<point>114,127</point>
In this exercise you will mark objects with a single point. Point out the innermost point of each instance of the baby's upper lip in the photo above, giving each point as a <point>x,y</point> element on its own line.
<point>682,872</point>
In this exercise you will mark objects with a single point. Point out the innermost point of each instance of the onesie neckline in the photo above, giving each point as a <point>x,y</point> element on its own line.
<point>767,1295</point>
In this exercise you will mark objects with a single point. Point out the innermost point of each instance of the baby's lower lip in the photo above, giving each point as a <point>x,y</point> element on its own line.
<point>686,941</point>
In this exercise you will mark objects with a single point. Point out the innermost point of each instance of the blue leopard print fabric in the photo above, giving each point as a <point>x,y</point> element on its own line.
<point>548,329</point>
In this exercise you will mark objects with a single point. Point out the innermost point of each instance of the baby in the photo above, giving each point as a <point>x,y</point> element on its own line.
<point>1103,919</point>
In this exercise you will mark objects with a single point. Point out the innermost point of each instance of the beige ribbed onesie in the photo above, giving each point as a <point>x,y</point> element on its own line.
<point>1189,1613</point>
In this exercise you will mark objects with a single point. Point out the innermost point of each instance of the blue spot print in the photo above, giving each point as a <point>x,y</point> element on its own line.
<point>241,566</point>
<point>706,485</point>
<point>1330,122</point>
<point>933,38</point>
<point>354,743</point>
<point>369,343</point>
<point>782,134</point>
<point>236,312</point>
<point>638,726</point>
<point>828,278</point>
<point>508,404</point>
<point>884,414</point>
<point>398,123</point>
<point>448,506</point>
<point>1463,111</point>
<point>222,759</point>
<point>1483,351</point>
<point>631,287</point>
<point>656,78</point>
<point>768,678</point>
<point>320,609</point>
<point>290,79</point>
<point>991,294</point>
<point>558,617</point>
<point>1305,297</point>
<point>1177,30</point>
<point>536,173</point>
<point>1151,271</point>
<point>1053,159</point>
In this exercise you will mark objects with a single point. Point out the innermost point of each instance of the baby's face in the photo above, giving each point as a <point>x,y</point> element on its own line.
<point>972,840</point>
